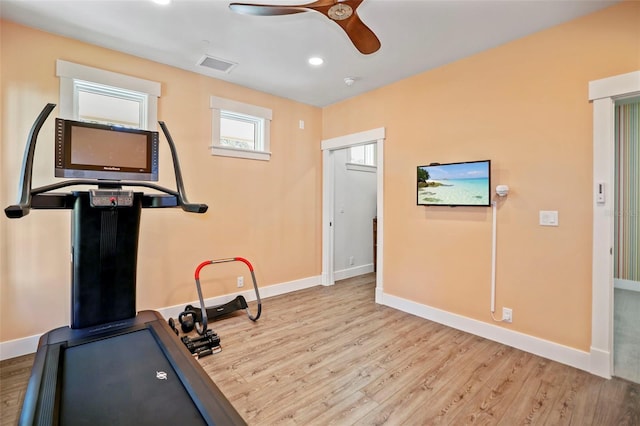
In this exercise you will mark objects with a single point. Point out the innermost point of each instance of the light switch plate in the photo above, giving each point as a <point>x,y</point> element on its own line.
<point>548,218</point>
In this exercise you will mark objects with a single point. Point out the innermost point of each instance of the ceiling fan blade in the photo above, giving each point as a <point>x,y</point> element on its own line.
<point>265,9</point>
<point>343,12</point>
<point>361,36</point>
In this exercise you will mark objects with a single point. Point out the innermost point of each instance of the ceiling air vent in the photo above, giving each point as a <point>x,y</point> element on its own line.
<point>216,63</point>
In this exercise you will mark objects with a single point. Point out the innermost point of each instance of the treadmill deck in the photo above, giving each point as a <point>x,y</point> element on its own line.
<point>120,380</point>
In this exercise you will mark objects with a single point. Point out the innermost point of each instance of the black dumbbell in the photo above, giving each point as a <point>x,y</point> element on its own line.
<point>194,345</point>
<point>208,335</point>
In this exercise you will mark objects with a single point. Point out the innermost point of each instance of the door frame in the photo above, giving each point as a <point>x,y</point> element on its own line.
<point>604,93</point>
<point>329,146</point>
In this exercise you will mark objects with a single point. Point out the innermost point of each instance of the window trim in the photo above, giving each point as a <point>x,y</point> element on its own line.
<point>69,71</point>
<point>218,104</point>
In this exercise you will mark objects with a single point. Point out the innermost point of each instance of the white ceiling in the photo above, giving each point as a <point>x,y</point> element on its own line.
<point>271,52</point>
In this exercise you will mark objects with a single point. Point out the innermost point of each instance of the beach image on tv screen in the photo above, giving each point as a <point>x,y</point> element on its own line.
<point>464,184</point>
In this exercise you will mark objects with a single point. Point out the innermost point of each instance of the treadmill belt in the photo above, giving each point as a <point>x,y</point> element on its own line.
<point>124,379</point>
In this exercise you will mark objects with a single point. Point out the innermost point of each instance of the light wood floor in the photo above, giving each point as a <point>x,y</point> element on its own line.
<point>330,355</point>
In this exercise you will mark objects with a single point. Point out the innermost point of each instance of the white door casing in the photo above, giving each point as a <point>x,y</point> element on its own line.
<point>604,93</point>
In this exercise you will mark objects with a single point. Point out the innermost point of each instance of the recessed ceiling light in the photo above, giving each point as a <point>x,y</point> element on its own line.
<point>316,60</point>
<point>163,2</point>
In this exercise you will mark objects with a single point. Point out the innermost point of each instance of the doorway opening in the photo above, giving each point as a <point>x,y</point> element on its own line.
<point>329,149</point>
<point>626,245</point>
<point>355,211</point>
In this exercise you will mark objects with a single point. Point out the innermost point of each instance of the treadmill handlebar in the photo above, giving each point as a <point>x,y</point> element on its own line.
<point>27,193</point>
<point>24,204</point>
<point>16,211</point>
<point>195,208</point>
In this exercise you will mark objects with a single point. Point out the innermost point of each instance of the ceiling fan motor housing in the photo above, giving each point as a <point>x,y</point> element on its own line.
<point>340,11</point>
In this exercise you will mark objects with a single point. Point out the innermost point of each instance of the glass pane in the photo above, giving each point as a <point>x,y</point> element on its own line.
<point>237,133</point>
<point>108,109</point>
<point>357,155</point>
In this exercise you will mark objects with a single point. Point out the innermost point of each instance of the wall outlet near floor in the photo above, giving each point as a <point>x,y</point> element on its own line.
<point>352,261</point>
<point>240,282</point>
<point>507,315</point>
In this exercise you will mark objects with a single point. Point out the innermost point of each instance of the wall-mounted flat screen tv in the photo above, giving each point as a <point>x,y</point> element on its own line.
<point>455,184</point>
<point>101,151</point>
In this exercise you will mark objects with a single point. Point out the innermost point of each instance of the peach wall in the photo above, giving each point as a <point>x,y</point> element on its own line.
<point>524,106</point>
<point>268,212</point>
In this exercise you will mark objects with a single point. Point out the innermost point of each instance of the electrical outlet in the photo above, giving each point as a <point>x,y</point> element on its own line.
<point>507,315</point>
<point>240,282</point>
<point>351,261</point>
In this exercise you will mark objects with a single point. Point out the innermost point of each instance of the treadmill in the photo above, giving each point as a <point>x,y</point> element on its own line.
<point>111,366</point>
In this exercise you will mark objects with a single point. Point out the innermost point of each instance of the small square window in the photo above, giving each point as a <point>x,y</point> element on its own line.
<point>240,130</point>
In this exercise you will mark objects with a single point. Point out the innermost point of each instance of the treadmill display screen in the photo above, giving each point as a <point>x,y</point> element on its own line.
<point>102,151</point>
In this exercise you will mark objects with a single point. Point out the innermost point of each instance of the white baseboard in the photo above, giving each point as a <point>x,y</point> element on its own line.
<point>27,345</point>
<point>544,348</point>
<point>600,363</point>
<point>19,347</point>
<point>352,272</point>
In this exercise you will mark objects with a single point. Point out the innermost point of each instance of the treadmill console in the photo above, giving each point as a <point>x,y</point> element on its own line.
<point>110,198</point>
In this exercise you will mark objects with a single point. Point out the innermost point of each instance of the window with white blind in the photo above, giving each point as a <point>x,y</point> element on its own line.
<point>95,95</point>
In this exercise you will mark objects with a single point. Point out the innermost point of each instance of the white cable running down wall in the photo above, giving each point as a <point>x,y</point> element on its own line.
<point>501,191</point>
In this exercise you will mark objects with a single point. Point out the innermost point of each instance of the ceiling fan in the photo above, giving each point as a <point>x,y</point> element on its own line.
<point>342,12</point>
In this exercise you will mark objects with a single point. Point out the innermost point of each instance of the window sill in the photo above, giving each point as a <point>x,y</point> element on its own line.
<point>224,151</point>
<point>361,167</point>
